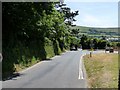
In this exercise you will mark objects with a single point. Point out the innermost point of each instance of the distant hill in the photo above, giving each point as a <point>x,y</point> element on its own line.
<point>97,32</point>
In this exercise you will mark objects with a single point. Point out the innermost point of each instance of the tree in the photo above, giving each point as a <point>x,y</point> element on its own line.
<point>95,42</point>
<point>28,26</point>
<point>68,18</point>
<point>25,26</point>
<point>118,44</point>
<point>83,41</point>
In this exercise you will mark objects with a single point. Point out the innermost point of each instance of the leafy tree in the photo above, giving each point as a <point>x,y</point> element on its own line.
<point>28,26</point>
<point>83,41</point>
<point>95,41</point>
<point>25,26</point>
<point>102,44</point>
<point>118,44</point>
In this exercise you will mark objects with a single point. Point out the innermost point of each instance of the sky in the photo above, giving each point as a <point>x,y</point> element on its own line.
<point>95,14</point>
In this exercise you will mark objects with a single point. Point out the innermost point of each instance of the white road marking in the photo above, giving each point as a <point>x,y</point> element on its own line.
<point>1,58</point>
<point>80,69</point>
<point>0,85</point>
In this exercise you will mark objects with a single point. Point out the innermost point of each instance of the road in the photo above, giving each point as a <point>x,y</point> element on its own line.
<point>64,71</point>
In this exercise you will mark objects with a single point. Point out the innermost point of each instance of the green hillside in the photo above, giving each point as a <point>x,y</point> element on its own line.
<point>96,32</point>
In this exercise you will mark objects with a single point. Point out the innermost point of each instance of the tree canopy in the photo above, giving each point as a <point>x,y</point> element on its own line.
<point>32,31</point>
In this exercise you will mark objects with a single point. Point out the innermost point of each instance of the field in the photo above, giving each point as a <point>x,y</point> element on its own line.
<point>97,32</point>
<point>102,70</point>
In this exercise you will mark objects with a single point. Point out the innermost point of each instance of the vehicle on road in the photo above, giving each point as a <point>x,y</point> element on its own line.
<point>111,50</point>
<point>73,47</point>
<point>107,49</point>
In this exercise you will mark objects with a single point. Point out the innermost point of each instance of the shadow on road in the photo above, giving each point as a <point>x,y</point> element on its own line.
<point>48,59</point>
<point>13,77</point>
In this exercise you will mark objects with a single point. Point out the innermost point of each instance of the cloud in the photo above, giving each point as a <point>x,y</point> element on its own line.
<point>96,14</point>
<point>91,0</point>
<point>91,19</point>
<point>95,21</point>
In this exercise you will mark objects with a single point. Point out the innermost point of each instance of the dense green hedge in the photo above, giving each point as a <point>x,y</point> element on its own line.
<point>25,56</point>
<point>33,32</point>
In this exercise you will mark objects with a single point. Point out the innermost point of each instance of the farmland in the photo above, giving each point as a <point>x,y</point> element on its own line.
<point>97,32</point>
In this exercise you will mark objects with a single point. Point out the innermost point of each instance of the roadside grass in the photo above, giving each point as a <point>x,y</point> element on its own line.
<point>102,70</point>
<point>21,66</point>
<point>49,54</point>
<point>49,51</point>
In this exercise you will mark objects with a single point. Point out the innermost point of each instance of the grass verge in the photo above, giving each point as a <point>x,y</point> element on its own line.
<point>102,70</point>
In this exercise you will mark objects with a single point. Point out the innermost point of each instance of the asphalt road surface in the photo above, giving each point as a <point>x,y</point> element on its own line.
<point>64,71</point>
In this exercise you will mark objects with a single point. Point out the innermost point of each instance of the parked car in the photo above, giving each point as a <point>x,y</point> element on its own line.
<point>107,49</point>
<point>111,50</point>
<point>73,47</point>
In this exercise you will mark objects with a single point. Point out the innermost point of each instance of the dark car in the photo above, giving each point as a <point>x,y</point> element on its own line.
<point>73,47</point>
<point>107,49</point>
<point>76,47</point>
<point>111,50</point>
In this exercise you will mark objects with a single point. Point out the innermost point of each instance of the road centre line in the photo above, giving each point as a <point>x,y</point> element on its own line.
<point>80,69</point>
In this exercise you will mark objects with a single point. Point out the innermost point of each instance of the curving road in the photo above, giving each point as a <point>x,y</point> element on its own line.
<point>64,71</point>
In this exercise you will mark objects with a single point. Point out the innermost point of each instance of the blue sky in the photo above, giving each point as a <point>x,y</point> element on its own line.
<point>95,14</point>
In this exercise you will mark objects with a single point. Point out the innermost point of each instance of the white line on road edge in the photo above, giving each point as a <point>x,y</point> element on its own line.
<point>80,69</point>
<point>1,57</point>
<point>0,85</point>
